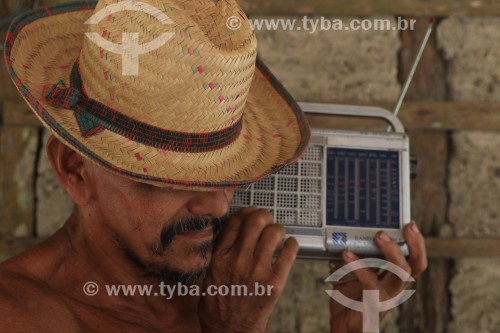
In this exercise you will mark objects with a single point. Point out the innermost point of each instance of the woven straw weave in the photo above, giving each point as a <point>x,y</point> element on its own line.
<point>203,79</point>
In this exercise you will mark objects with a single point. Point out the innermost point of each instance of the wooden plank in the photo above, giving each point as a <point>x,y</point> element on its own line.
<point>437,248</point>
<point>427,311</point>
<point>456,248</point>
<point>427,115</point>
<point>371,7</point>
<point>452,116</point>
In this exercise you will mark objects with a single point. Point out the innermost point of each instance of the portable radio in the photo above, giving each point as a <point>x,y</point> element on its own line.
<point>346,187</point>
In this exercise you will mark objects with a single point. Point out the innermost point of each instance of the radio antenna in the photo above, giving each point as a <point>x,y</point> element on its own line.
<point>414,68</point>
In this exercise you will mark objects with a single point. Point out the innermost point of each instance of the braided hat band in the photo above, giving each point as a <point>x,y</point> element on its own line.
<point>93,117</point>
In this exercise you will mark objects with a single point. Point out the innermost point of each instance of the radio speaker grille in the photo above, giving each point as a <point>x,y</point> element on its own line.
<point>293,195</point>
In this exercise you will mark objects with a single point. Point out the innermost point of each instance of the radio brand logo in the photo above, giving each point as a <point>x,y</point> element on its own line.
<point>130,49</point>
<point>339,238</point>
<point>371,305</point>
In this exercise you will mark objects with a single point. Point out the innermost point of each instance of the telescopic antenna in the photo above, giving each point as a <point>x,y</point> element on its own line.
<point>413,69</point>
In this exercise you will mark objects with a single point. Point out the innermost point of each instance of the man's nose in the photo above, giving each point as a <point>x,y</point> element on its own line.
<point>212,203</point>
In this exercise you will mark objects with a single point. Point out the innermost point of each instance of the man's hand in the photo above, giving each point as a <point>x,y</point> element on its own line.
<point>243,255</point>
<point>344,320</point>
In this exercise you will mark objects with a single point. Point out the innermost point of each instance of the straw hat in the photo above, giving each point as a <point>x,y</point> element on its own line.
<point>164,92</point>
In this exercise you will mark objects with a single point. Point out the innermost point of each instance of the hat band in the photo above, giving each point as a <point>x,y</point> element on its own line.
<point>93,117</point>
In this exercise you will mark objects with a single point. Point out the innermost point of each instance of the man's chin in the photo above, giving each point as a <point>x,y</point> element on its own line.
<point>192,263</point>
<point>186,276</point>
<point>185,264</point>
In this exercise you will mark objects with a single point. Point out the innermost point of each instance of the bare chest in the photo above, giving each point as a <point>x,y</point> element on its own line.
<point>90,318</point>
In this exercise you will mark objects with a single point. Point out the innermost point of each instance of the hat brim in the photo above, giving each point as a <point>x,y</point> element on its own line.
<point>40,49</point>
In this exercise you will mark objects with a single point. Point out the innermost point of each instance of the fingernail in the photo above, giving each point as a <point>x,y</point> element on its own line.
<point>384,237</point>
<point>414,227</point>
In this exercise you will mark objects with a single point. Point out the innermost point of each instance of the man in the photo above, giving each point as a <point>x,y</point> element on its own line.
<point>151,136</point>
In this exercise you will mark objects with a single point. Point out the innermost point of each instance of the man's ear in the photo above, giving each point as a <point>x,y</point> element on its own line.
<point>71,169</point>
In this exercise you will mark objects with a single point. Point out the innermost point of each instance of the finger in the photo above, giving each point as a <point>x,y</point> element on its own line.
<point>271,238</point>
<point>416,244</point>
<point>231,229</point>
<point>251,230</point>
<point>367,278</point>
<point>286,258</point>
<point>392,253</point>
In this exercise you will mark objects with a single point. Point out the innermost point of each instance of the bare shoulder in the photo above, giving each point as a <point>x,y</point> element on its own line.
<point>28,305</point>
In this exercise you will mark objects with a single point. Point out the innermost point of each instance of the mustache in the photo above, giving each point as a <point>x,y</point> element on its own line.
<point>193,223</point>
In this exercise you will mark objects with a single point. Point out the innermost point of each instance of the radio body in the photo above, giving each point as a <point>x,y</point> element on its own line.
<point>346,187</point>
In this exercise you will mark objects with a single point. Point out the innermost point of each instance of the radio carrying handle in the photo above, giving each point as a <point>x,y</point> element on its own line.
<point>353,111</point>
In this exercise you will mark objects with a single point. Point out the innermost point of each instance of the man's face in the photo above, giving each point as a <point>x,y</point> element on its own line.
<point>168,233</point>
